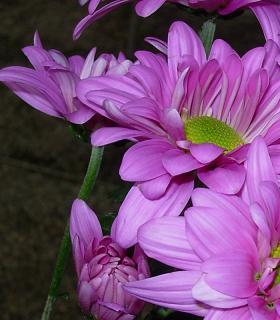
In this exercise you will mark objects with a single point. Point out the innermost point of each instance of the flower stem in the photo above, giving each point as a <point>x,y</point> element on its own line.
<point>207,34</point>
<point>65,245</point>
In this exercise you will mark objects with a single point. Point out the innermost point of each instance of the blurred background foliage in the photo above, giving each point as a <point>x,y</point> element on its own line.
<point>42,164</point>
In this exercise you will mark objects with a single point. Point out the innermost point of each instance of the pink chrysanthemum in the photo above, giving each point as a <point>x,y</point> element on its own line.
<point>187,112</point>
<point>266,11</point>
<point>103,266</point>
<point>50,86</point>
<point>228,247</point>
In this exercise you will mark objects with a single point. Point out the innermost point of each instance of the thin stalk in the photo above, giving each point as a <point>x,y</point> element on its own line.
<point>65,245</point>
<point>207,34</point>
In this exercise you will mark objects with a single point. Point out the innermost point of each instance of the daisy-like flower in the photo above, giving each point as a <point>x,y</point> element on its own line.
<point>228,247</point>
<point>266,11</point>
<point>103,266</point>
<point>50,86</point>
<point>187,112</point>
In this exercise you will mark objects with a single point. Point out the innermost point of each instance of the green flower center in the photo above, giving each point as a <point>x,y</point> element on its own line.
<point>210,130</point>
<point>275,253</point>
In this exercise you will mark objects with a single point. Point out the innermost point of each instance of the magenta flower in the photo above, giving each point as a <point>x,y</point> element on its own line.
<point>229,250</point>
<point>266,11</point>
<point>103,266</point>
<point>50,86</point>
<point>187,112</point>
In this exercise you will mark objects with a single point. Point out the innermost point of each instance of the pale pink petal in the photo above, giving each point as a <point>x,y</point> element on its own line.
<point>242,313</point>
<point>259,168</point>
<point>213,231</point>
<point>232,273</point>
<point>164,239</point>
<point>145,8</point>
<point>137,210</point>
<point>204,293</point>
<point>104,136</point>
<point>171,290</point>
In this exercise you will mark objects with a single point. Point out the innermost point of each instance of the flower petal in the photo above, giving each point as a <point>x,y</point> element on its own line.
<point>215,178</point>
<point>137,210</point>
<point>171,290</point>
<point>164,239</point>
<point>232,273</point>
<point>205,152</point>
<point>143,161</point>
<point>213,231</point>
<point>84,223</point>
<point>204,293</point>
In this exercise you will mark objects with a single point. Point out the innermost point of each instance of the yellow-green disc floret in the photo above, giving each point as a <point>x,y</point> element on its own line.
<point>210,130</point>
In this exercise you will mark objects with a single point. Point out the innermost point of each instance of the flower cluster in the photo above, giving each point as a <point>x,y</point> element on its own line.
<point>204,128</point>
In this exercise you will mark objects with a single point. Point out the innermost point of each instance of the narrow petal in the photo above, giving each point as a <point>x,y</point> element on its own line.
<point>137,210</point>
<point>269,18</point>
<point>145,8</point>
<point>171,290</point>
<point>164,239</point>
<point>104,136</point>
<point>259,168</point>
<point>84,223</point>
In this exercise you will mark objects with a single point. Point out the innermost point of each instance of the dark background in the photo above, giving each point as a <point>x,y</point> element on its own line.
<point>42,164</point>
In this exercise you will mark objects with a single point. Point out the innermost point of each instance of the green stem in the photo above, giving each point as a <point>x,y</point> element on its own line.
<point>207,34</point>
<point>65,245</point>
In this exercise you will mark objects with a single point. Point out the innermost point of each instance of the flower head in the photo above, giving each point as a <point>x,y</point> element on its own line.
<point>188,112</point>
<point>266,11</point>
<point>229,249</point>
<point>103,266</point>
<point>50,86</point>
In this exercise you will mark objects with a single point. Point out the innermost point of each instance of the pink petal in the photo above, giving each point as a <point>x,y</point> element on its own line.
<point>232,273</point>
<point>84,223</point>
<point>104,136</point>
<point>242,313</point>
<point>259,168</point>
<point>143,161</point>
<point>137,210</point>
<point>145,8</point>
<point>213,231</point>
<point>205,152</point>
<point>171,290</point>
<point>155,188</point>
<point>203,197</point>
<point>164,239</point>
<point>268,16</point>
<point>204,293</point>
<point>182,40</point>
<point>177,162</point>
<point>227,178</point>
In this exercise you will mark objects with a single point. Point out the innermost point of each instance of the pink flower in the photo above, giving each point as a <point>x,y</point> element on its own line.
<point>266,11</point>
<point>50,86</point>
<point>187,112</point>
<point>103,266</point>
<point>229,250</point>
